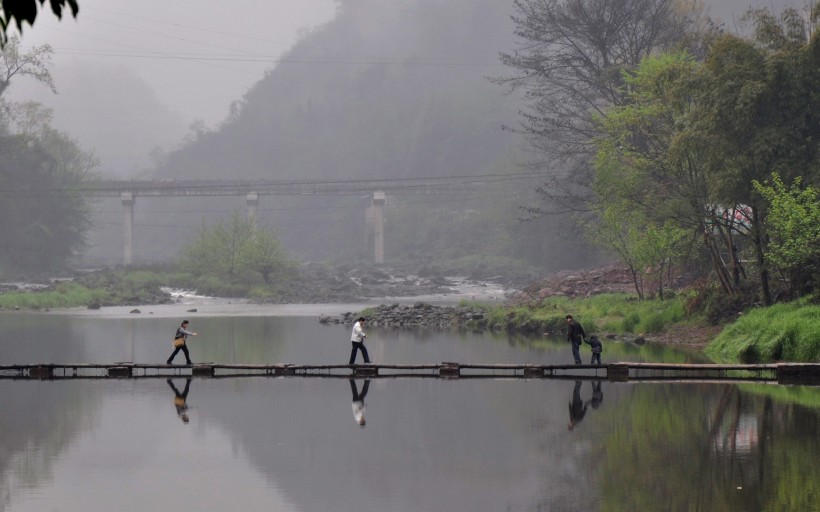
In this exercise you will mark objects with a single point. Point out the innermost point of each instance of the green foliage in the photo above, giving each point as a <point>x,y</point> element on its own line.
<point>44,215</point>
<point>630,322</point>
<point>66,294</point>
<point>783,332</point>
<point>613,313</point>
<point>794,228</point>
<point>232,253</point>
<point>695,135</point>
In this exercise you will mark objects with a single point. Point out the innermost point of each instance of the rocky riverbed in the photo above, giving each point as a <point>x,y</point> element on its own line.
<point>420,314</point>
<point>319,283</point>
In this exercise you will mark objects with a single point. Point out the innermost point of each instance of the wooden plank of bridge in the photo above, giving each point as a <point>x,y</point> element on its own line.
<point>784,373</point>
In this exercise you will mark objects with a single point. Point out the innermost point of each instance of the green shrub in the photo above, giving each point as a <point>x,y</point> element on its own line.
<point>653,324</point>
<point>788,332</point>
<point>630,322</point>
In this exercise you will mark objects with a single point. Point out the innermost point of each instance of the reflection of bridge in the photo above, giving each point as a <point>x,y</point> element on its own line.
<point>128,191</point>
<point>784,373</point>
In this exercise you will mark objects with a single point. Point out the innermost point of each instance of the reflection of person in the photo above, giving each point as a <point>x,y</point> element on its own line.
<point>358,401</point>
<point>597,394</point>
<point>577,408</point>
<point>597,348</point>
<point>575,333</point>
<point>181,399</point>
<point>182,333</point>
<point>357,339</point>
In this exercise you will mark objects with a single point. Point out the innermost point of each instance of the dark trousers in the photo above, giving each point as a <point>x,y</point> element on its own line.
<point>358,345</point>
<point>359,397</point>
<point>576,352</point>
<point>595,356</point>
<point>184,350</point>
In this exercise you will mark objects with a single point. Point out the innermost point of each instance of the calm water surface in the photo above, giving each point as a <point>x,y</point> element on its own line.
<point>293,444</point>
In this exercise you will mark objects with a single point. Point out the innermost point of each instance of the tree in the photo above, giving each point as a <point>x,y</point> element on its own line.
<point>34,64</point>
<point>234,250</point>
<point>758,105</point>
<point>693,136</point>
<point>264,254</point>
<point>17,12</point>
<point>571,63</point>
<point>651,189</point>
<point>794,228</point>
<point>44,216</point>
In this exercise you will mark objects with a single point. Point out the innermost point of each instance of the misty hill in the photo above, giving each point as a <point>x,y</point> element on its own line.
<point>111,112</point>
<point>385,90</point>
<point>392,89</point>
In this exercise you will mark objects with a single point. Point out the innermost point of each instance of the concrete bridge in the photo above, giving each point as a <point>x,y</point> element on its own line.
<point>129,191</point>
<point>380,189</point>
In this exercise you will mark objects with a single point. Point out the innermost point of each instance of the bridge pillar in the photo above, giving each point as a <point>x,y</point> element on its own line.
<point>378,225</point>
<point>252,200</point>
<point>617,372</point>
<point>128,200</point>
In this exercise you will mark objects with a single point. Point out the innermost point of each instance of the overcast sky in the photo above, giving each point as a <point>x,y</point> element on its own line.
<point>197,55</point>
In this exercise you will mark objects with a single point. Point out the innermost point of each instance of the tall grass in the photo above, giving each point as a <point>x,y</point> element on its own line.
<point>64,295</point>
<point>783,332</point>
<point>611,313</point>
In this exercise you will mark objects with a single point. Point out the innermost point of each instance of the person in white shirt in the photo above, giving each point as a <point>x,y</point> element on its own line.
<point>358,401</point>
<point>357,339</point>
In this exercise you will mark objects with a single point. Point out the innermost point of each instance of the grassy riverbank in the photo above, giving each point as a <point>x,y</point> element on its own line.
<point>100,289</point>
<point>783,332</point>
<point>606,313</point>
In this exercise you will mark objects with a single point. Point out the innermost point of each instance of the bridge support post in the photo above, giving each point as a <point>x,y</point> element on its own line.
<point>128,200</point>
<point>202,370</point>
<point>617,372</point>
<point>120,371</point>
<point>798,373</point>
<point>450,370</point>
<point>252,200</point>
<point>283,369</point>
<point>365,371</point>
<point>378,225</point>
<point>41,372</point>
<point>534,371</point>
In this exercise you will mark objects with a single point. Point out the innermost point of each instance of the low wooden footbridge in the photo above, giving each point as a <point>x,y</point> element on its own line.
<point>785,373</point>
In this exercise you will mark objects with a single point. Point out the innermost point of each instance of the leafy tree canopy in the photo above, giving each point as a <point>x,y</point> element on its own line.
<point>18,12</point>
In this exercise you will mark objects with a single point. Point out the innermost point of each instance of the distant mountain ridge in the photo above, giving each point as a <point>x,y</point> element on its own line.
<point>384,90</point>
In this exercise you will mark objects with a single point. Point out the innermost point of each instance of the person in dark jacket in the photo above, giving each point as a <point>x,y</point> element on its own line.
<point>182,333</point>
<point>597,348</point>
<point>181,399</point>
<point>575,333</point>
<point>597,395</point>
<point>577,408</point>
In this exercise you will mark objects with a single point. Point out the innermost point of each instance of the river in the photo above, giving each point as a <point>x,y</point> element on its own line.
<point>295,443</point>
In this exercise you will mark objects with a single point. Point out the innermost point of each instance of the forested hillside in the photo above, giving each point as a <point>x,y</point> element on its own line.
<point>385,90</point>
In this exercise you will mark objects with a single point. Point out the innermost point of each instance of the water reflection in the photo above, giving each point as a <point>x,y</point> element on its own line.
<point>466,444</point>
<point>181,399</point>
<point>358,401</point>
<point>577,407</point>
<point>597,394</point>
